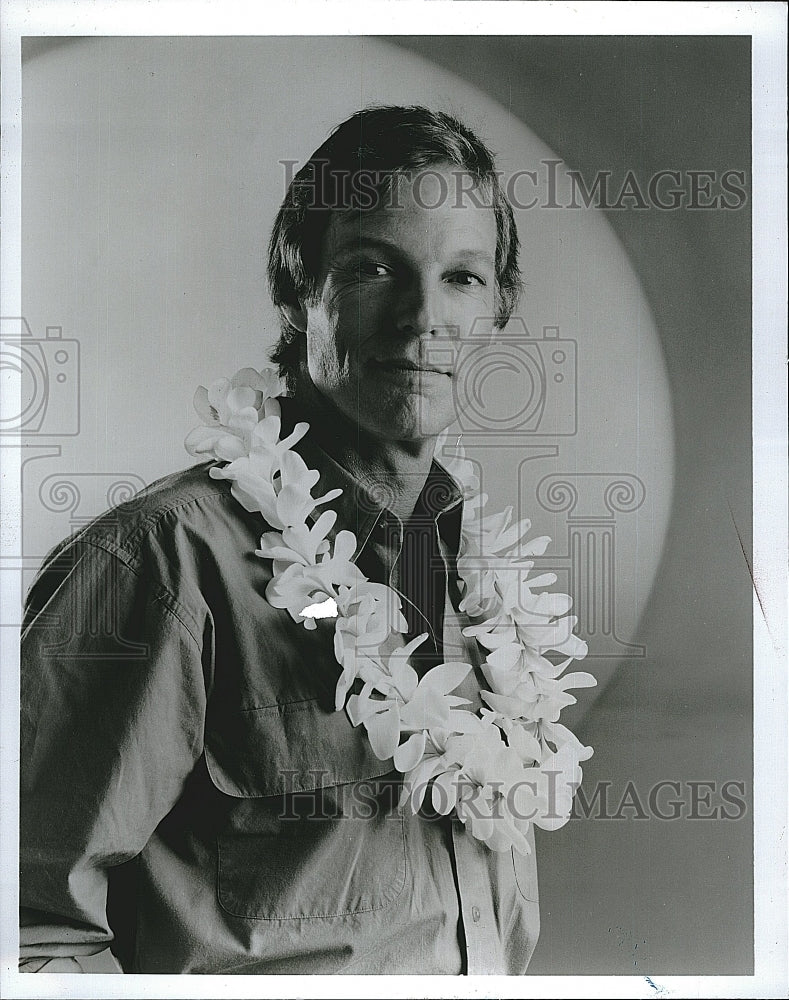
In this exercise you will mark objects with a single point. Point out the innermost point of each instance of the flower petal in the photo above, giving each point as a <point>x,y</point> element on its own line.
<point>445,677</point>
<point>445,792</point>
<point>408,754</point>
<point>203,407</point>
<point>383,730</point>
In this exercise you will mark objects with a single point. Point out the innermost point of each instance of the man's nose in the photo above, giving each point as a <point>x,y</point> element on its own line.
<point>420,308</point>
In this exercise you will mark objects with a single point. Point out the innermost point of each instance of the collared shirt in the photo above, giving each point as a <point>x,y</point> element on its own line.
<point>188,793</point>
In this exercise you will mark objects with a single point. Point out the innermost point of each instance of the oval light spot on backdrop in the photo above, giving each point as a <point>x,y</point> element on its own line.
<point>152,171</point>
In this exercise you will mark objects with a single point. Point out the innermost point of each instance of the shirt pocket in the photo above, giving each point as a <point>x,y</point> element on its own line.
<point>310,828</point>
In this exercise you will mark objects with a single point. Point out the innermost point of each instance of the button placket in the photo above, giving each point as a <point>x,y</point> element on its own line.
<point>483,947</point>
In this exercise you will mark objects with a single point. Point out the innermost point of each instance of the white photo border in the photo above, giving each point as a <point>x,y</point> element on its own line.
<point>766,24</point>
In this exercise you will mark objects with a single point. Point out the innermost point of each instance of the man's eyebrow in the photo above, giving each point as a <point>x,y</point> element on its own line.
<point>357,242</point>
<point>483,256</point>
<point>352,243</point>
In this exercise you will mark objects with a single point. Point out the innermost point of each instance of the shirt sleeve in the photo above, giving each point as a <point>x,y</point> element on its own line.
<point>113,693</point>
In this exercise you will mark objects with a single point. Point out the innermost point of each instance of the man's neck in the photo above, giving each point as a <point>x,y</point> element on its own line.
<point>394,472</point>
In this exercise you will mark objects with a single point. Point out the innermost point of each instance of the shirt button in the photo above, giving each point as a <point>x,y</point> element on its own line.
<point>475,914</point>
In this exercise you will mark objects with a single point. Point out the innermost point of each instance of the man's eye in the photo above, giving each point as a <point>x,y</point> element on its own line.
<point>372,269</point>
<point>467,278</point>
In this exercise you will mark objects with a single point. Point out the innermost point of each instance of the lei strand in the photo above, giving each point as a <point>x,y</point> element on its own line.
<point>500,769</point>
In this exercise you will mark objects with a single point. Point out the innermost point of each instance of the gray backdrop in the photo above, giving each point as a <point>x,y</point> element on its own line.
<point>148,190</point>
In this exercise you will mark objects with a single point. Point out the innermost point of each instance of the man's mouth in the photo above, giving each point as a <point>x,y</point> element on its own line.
<point>406,365</point>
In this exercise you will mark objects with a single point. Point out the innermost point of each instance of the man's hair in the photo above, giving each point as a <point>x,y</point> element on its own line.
<point>354,170</point>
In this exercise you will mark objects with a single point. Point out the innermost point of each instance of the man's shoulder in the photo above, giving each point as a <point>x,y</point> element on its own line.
<point>184,493</point>
<point>187,503</point>
<point>163,544</point>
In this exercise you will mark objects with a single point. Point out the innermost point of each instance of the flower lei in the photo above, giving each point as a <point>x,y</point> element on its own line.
<point>500,769</point>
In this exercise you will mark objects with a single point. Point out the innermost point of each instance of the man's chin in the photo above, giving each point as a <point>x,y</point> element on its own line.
<point>409,419</point>
<point>412,428</point>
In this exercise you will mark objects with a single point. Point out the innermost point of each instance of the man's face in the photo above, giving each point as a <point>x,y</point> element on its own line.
<point>399,287</point>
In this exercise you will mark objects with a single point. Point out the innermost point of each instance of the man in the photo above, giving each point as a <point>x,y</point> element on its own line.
<point>190,797</point>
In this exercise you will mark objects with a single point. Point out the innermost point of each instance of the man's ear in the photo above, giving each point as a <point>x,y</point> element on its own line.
<point>296,315</point>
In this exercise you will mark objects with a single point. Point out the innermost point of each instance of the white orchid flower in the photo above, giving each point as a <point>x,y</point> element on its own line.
<point>368,628</point>
<point>377,608</point>
<point>300,544</point>
<point>229,409</point>
<point>299,586</point>
<point>558,779</point>
<point>525,681</point>
<point>487,782</point>
<point>498,535</point>
<point>408,705</point>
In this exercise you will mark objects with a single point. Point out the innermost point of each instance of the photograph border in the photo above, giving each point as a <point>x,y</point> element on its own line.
<point>766,24</point>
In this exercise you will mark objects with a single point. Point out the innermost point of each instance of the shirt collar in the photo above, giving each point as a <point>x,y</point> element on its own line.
<point>358,508</point>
